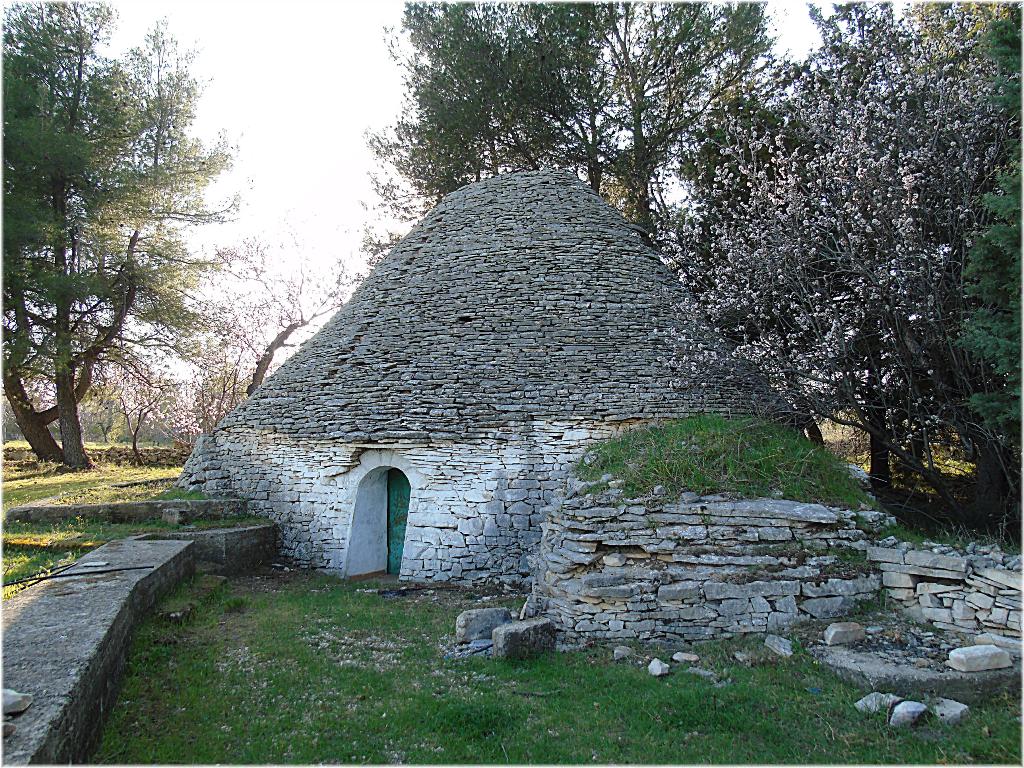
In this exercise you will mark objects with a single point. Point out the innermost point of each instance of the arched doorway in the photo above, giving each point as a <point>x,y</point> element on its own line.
<point>377,536</point>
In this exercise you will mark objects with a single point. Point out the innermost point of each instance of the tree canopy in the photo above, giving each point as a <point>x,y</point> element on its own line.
<point>100,175</point>
<point>616,92</point>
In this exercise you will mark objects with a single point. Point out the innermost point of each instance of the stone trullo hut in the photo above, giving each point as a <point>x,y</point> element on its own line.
<point>425,428</point>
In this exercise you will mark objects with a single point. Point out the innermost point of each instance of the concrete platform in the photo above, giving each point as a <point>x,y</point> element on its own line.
<point>176,511</point>
<point>870,673</point>
<point>227,551</point>
<point>65,640</point>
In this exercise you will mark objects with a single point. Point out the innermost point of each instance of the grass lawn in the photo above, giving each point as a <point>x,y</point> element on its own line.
<point>305,668</point>
<point>29,481</point>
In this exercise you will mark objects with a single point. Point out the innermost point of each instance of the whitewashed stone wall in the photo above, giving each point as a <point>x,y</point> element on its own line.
<point>475,508</point>
<point>702,567</point>
<point>966,592</point>
<point>519,321</point>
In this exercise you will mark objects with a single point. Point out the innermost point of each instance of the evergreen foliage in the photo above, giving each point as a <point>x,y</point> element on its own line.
<point>994,265</point>
<point>612,91</point>
<point>100,176</point>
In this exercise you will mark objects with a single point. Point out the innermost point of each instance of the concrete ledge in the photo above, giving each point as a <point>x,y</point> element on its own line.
<point>869,673</point>
<point>65,640</point>
<point>172,511</point>
<point>227,551</point>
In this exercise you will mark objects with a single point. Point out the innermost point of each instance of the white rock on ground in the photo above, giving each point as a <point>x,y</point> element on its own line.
<point>15,702</point>
<point>779,645</point>
<point>707,674</point>
<point>622,652</point>
<point>949,711</point>
<point>907,713</point>
<point>657,668</point>
<point>876,702</point>
<point>843,632</point>
<point>978,658</point>
<point>1011,644</point>
<point>682,657</point>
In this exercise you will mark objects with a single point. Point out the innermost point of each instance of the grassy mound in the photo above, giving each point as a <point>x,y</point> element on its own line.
<point>712,454</point>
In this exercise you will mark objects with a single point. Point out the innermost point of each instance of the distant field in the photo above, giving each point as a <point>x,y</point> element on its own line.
<point>23,483</point>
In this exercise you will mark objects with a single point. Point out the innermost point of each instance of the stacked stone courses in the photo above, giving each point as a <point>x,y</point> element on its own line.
<point>521,321</point>
<point>966,593</point>
<point>702,567</point>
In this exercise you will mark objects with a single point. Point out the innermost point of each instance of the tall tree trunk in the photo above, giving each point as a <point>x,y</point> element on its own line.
<point>992,490</point>
<point>813,432</point>
<point>880,472</point>
<point>33,427</point>
<point>34,424</point>
<point>75,456</point>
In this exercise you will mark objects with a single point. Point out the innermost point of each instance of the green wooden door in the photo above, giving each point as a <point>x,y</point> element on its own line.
<point>398,511</point>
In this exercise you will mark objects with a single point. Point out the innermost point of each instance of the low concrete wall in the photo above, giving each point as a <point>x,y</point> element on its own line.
<point>228,551</point>
<point>172,511</point>
<point>65,640</point>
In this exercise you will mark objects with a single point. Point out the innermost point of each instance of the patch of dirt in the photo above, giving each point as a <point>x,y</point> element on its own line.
<point>892,637</point>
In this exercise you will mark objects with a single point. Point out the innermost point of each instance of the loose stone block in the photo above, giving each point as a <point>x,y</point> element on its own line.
<point>622,652</point>
<point>479,623</point>
<point>907,714</point>
<point>778,645</point>
<point>876,702</point>
<point>681,657</point>
<point>978,658</point>
<point>521,639</point>
<point>843,632</point>
<point>949,711</point>
<point>657,668</point>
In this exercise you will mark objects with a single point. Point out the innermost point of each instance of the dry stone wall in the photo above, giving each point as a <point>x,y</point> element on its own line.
<point>475,508</point>
<point>697,568</point>
<point>522,319</point>
<point>978,590</point>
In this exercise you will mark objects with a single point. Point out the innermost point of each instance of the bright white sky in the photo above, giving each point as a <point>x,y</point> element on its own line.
<point>296,86</point>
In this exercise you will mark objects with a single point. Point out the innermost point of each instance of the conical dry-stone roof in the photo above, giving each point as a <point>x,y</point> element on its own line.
<point>521,297</point>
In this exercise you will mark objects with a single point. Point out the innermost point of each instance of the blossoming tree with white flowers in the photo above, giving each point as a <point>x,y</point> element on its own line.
<point>840,236</point>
